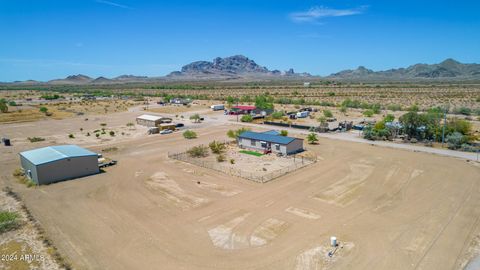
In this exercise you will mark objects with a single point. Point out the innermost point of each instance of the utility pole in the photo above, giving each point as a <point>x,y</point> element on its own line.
<point>444,124</point>
<point>237,109</point>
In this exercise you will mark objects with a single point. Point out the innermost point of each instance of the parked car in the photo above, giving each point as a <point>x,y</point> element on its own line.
<point>179,125</point>
<point>166,131</point>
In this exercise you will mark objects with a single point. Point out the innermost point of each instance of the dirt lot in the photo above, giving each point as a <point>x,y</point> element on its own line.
<point>390,209</point>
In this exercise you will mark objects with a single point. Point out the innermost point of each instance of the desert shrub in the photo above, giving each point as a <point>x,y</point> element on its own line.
<point>3,106</point>
<point>235,133</point>
<point>327,113</point>
<point>198,151</point>
<point>277,115</point>
<point>394,107</point>
<point>455,140</point>
<point>97,135</point>
<point>221,158</point>
<point>35,139</point>
<point>130,124</point>
<point>368,113</point>
<point>112,133</point>
<point>43,110</point>
<point>463,110</point>
<point>189,134</point>
<point>343,109</point>
<point>312,138</point>
<point>246,118</point>
<point>232,161</point>
<point>8,221</point>
<point>195,118</point>
<point>103,124</point>
<point>283,133</point>
<point>217,147</point>
<point>71,136</point>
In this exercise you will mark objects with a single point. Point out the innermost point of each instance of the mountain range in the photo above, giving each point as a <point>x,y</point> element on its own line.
<point>239,67</point>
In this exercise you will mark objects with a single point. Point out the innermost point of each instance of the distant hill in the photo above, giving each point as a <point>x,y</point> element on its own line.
<point>237,66</point>
<point>447,70</point>
<point>241,68</point>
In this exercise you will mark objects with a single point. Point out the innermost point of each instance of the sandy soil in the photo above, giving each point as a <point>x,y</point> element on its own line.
<point>389,208</point>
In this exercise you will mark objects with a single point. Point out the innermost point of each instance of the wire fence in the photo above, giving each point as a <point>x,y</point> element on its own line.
<point>259,177</point>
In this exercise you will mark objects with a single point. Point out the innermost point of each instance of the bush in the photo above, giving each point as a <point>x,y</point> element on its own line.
<point>112,133</point>
<point>455,140</point>
<point>394,107</point>
<point>463,110</point>
<point>44,110</point>
<point>103,124</point>
<point>130,124</point>
<point>189,134</point>
<point>36,139</point>
<point>3,106</point>
<point>195,118</point>
<point>198,151</point>
<point>232,161</point>
<point>277,115</point>
<point>283,133</point>
<point>221,158</point>
<point>235,133</point>
<point>71,136</point>
<point>312,138</point>
<point>217,147</point>
<point>368,113</point>
<point>8,221</point>
<point>327,113</point>
<point>246,118</point>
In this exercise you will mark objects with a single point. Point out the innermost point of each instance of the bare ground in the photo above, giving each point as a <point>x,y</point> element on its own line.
<point>390,209</point>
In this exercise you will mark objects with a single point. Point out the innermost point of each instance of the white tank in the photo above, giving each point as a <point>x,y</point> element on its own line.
<point>333,241</point>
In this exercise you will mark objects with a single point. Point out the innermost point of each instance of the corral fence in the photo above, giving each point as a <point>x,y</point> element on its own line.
<point>259,177</point>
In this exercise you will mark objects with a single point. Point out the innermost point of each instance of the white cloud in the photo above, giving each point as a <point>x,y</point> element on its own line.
<point>316,13</point>
<point>110,3</point>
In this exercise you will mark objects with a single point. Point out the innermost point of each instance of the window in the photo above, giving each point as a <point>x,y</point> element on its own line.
<point>29,172</point>
<point>263,144</point>
<point>253,142</point>
<point>277,147</point>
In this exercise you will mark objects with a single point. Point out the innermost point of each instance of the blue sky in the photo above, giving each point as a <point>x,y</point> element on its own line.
<point>46,39</point>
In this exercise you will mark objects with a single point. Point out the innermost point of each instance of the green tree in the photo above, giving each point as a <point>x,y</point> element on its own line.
<point>312,138</point>
<point>283,133</point>
<point>195,118</point>
<point>44,110</point>
<point>264,102</point>
<point>3,106</point>
<point>246,118</point>
<point>278,114</point>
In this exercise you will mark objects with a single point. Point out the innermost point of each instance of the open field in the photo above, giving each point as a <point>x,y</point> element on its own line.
<point>388,208</point>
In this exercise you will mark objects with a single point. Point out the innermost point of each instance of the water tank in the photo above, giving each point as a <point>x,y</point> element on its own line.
<point>333,241</point>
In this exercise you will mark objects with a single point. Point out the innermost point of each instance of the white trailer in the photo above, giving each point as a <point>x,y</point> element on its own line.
<point>218,107</point>
<point>303,114</point>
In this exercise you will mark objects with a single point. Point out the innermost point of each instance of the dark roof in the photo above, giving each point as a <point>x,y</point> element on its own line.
<point>267,137</point>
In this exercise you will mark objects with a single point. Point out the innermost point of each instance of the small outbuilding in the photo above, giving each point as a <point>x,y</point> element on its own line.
<point>270,141</point>
<point>152,120</point>
<point>57,163</point>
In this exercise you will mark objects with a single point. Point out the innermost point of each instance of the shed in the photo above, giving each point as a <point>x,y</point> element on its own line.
<point>152,120</point>
<point>57,163</point>
<point>268,141</point>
